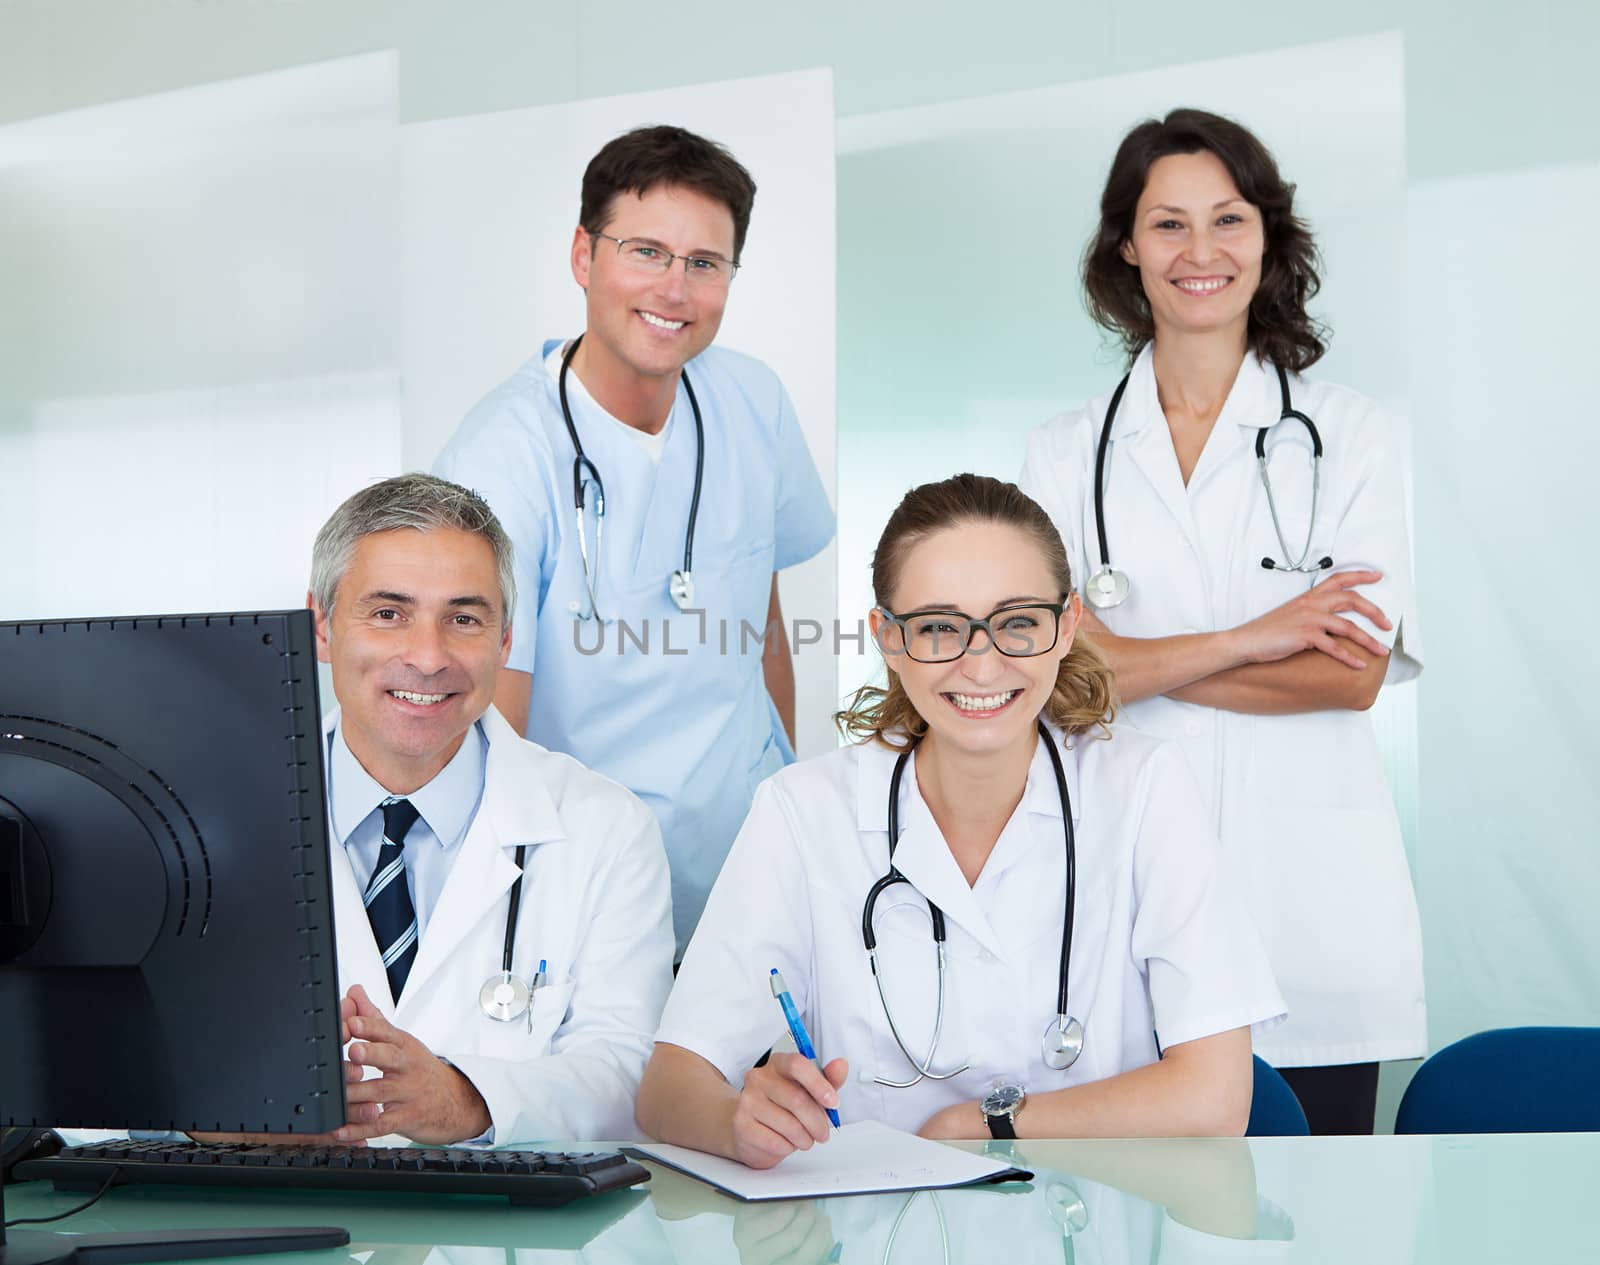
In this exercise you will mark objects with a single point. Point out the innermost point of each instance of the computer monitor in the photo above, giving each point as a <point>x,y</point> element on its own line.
<point>166,919</point>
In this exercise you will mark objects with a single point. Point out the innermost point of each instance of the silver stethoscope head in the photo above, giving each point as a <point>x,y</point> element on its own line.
<point>504,996</point>
<point>1062,1043</point>
<point>1106,588</point>
<point>681,589</point>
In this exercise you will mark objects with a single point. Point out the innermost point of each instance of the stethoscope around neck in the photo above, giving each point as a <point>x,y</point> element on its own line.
<point>680,585</point>
<point>506,996</point>
<point>1063,1039</point>
<point>1108,587</point>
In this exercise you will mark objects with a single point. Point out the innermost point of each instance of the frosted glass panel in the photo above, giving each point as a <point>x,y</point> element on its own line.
<point>1503,341</point>
<point>196,338</point>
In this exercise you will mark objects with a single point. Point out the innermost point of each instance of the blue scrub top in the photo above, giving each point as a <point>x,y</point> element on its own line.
<point>671,704</point>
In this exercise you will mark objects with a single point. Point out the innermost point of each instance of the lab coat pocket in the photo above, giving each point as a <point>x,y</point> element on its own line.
<point>530,1034</point>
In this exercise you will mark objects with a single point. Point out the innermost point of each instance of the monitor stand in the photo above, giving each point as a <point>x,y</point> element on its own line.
<point>47,1247</point>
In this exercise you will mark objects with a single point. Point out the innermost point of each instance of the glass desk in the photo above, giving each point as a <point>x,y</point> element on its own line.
<point>1512,1198</point>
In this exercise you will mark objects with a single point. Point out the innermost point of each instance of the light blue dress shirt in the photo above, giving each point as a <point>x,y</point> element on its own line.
<point>446,806</point>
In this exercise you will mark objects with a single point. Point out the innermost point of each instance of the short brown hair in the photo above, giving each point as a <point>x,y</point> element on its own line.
<point>650,157</point>
<point>1280,329</point>
<point>1085,694</point>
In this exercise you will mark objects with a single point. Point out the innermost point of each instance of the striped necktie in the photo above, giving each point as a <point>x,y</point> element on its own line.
<point>388,900</point>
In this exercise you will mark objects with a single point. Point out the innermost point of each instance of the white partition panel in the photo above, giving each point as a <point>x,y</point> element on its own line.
<point>1504,360</point>
<point>491,201</point>
<point>196,338</point>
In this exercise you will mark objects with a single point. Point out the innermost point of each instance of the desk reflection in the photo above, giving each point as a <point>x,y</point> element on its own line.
<point>1178,1201</point>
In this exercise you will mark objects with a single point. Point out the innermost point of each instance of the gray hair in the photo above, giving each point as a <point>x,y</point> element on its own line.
<point>420,502</point>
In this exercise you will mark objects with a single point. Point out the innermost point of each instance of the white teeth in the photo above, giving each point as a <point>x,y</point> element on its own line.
<point>1202,287</point>
<point>652,319</point>
<point>409,697</point>
<point>983,702</point>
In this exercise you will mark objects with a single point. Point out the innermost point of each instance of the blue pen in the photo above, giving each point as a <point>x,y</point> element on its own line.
<point>797,1029</point>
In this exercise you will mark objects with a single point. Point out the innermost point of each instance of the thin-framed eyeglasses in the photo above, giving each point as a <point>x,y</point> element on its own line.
<point>640,254</point>
<point>1018,630</point>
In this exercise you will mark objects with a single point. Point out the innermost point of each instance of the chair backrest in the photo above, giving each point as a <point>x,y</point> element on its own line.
<point>1508,1080</point>
<point>1274,1110</point>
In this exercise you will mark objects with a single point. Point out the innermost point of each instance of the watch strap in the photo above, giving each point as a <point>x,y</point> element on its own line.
<point>1002,1125</point>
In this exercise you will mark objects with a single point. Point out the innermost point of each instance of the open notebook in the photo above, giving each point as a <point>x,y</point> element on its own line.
<point>864,1158</point>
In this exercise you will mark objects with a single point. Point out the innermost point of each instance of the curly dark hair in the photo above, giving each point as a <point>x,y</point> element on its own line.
<point>647,157</point>
<point>1280,329</point>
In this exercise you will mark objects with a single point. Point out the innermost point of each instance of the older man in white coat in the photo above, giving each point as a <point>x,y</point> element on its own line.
<point>440,815</point>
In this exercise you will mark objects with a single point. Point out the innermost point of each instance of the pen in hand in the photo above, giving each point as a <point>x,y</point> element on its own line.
<point>797,1029</point>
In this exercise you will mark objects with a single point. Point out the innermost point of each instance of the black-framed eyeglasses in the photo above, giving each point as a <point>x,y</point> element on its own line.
<point>1019,630</point>
<point>642,255</point>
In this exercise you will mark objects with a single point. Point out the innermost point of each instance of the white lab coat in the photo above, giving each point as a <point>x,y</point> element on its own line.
<point>1160,948</point>
<point>1299,803</point>
<point>595,906</point>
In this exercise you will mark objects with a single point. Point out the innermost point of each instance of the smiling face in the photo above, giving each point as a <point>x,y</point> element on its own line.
<point>1198,246</point>
<point>650,324</point>
<point>416,639</point>
<point>984,701</point>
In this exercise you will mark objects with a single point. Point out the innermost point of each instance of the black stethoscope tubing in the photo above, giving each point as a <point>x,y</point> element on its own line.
<point>1288,411</point>
<point>512,908</point>
<point>582,462</point>
<point>936,915</point>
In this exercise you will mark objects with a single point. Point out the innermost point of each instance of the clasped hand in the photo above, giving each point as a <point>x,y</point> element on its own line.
<point>418,1096</point>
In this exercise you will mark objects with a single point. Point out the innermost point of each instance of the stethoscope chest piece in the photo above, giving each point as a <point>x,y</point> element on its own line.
<point>681,588</point>
<point>1063,1042</point>
<point>504,996</point>
<point>1106,588</point>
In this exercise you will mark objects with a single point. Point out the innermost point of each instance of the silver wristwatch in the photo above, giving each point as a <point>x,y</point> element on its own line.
<point>1000,1108</point>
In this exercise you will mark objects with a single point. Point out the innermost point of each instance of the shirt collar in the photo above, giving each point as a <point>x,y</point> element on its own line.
<point>1041,795</point>
<point>447,803</point>
<point>1253,401</point>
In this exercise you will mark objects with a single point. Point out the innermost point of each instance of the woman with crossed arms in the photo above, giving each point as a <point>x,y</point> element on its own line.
<point>1244,536</point>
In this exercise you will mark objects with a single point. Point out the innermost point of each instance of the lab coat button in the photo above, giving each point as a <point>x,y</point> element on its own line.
<point>1192,728</point>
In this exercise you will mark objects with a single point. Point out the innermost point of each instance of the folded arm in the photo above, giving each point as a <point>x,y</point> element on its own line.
<point>1302,656</point>
<point>1201,1088</point>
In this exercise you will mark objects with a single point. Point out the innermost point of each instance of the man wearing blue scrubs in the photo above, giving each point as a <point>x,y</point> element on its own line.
<point>687,699</point>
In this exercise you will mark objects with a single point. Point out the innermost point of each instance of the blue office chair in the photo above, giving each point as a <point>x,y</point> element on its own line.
<point>1274,1110</point>
<point>1508,1080</point>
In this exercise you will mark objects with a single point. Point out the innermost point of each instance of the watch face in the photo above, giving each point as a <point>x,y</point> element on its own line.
<point>1002,1099</point>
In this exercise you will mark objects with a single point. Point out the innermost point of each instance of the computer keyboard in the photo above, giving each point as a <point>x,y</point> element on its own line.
<point>539,1178</point>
